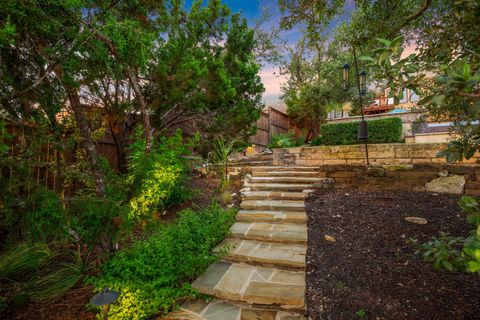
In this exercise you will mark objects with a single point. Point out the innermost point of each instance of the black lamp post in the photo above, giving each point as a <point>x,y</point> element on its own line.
<point>362,89</point>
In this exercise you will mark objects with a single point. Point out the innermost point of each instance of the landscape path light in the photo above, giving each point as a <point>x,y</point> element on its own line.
<point>104,299</point>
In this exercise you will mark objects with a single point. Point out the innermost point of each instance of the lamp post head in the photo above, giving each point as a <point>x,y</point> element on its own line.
<point>345,76</point>
<point>363,131</point>
<point>363,82</point>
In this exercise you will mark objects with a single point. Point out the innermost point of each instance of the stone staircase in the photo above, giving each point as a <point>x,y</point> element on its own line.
<point>262,271</point>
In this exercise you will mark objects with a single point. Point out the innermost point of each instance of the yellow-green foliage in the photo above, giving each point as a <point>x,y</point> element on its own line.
<point>153,275</point>
<point>156,188</point>
<point>156,179</point>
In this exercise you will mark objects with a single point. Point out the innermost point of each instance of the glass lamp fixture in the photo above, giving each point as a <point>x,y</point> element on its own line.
<point>345,74</point>
<point>363,131</point>
<point>363,82</point>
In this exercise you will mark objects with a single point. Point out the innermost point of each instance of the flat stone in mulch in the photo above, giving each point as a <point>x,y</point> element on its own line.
<point>370,267</point>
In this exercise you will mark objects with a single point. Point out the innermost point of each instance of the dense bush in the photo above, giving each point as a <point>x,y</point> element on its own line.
<point>156,179</point>
<point>286,140</point>
<point>46,219</point>
<point>379,131</point>
<point>153,275</point>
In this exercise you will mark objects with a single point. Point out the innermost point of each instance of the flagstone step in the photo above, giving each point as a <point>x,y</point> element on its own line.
<point>291,180</point>
<point>274,232</point>
<point>266,254</point>
<point>272,216</point>
<point>257,173</point>
<point>254,285</point>
<point>280,186</point>
<point>283,168</point>
<point>290,205</point>
<point>222,310</point>
<point>275,195</point>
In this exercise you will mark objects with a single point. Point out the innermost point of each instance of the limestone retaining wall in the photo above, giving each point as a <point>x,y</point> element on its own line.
<point>388,153</point>
<point>414,177</point>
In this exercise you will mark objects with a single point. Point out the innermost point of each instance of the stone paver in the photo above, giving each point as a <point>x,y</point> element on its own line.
<point>280,186</point>
<point>289,205</point>
<point>265,254</point>
<point>221,310</point>
<point>309,180</point>
<point>272,195</point>
<point>284,232</point>
<point>286,173</point>
<point>254,285</point>
<point>271,216</point>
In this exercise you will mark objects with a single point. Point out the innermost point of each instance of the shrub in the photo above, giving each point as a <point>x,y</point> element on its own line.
<point>153,275</point>
<point>286,140</point>
<point>156,179</point>
<point>46,218</point>
<point>379,131</point>
<point>96,221</point>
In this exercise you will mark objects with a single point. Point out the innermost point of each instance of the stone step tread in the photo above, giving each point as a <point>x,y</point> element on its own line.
<point>275,232</point>
<point>291,180</point>
<point>223,310</point>
<point>280,186</point>
<point>263,253</point>
<point>253,285</point>
<point>284,168</point>
<point>291,205</point>
<point>272,216</point>
<point>285,173</point>
<point>275,195</point>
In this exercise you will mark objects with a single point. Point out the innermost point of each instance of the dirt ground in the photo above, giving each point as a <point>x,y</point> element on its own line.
<point>72,306</point>
<point>370,271</point>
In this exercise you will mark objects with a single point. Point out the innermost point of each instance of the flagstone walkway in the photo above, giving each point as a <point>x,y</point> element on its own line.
<point>261,275</point>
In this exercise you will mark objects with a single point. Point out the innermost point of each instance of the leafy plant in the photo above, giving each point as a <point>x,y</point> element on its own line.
<point>96,221</point>
<point>286,140</point>
<point>457,253</point>
<point>153,275</point>
<point>380,131</point>
<point>360,314</point>
<point>46,219</point>
<point>221,152</point>
<point>444,252</point>
<point>156,179</point>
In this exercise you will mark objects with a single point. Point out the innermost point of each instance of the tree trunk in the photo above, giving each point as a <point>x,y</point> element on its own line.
<point>143,107</point>
<point>88,144</point>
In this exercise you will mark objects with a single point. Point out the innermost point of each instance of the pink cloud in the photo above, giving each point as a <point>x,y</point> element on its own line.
<point>272,82</point>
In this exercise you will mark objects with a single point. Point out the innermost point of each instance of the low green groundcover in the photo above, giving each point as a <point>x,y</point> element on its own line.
<point>154,275</point>
<point>379,131</point>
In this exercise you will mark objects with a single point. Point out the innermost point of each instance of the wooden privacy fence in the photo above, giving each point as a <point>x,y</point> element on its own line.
<point>272,123</point>
<point>43,171</point>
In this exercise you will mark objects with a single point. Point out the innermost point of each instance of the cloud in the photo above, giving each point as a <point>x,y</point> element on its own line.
<point>272,82</point>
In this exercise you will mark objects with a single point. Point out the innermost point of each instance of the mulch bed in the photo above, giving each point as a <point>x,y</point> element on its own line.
<point>370,266</point>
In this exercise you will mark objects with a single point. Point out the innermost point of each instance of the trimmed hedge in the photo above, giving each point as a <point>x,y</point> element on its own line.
<point>379,131</point>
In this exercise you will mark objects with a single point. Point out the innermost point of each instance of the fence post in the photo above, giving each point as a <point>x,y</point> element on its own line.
<point>269,125</point>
